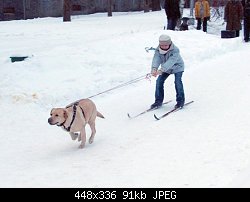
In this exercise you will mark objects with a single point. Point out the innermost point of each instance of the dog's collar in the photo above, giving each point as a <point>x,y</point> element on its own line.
<point>61,124</point>
<point>73,118</point>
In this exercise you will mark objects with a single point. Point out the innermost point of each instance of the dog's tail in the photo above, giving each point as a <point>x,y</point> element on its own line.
<point>100,115</point>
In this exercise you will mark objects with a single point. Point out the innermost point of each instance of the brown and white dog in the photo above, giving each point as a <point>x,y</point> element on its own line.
<point>75,117</point>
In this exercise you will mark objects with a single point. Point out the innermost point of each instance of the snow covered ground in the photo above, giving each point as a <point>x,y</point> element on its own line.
<point>206,144</point>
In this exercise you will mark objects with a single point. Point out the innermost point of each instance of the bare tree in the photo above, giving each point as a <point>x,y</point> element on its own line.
<point>109,8</point>
<point>156,6</point>
<point>66,10</point>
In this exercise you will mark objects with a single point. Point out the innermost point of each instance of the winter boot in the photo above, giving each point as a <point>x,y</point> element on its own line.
<point>156,105</point>
<point>179,105</point>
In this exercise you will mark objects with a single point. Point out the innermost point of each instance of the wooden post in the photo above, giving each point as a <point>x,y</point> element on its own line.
<point>109,8</point>
<point>66,10</point>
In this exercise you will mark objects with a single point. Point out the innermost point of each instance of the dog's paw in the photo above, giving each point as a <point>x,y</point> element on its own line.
<point>81,146</point>
<point>91,140</point>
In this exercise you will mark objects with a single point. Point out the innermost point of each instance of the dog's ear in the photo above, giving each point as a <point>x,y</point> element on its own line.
<point>65,115</point>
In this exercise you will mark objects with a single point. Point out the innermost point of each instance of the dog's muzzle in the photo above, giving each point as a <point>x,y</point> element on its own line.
<point>50,121</point>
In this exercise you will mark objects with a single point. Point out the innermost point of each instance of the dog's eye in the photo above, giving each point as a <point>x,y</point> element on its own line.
<point>56,114</point>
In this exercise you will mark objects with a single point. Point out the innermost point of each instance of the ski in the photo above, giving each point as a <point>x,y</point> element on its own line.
<point>171,111</point>
<point>148,110</point>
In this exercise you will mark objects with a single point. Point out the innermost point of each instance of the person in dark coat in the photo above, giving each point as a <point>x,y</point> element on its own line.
<point>233,16</point>
<point>172,9</point>
<point>246,5</point>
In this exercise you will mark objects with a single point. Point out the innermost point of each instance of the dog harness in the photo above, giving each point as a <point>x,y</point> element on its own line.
<point>73,118</point>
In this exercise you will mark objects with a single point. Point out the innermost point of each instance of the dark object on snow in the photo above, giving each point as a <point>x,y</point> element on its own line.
<point>225,34</point>
<point>18,58</point>
<point>184,24</point>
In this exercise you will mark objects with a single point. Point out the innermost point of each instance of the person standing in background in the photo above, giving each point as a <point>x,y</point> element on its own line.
<point>172,10</point>
<point>233,16</point>
<point>202,14</point>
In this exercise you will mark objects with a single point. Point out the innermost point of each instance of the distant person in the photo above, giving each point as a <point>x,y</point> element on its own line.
<point>202,14</point>
<point>233,16</point>
<point>167,55</point>
<point>173,14</point>
<point>246,6</point>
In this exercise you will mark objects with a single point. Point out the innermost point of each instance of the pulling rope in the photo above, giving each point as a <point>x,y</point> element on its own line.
<point>147,76</point>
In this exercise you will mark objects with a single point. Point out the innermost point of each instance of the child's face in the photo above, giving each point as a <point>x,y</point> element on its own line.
<point>164,47</point>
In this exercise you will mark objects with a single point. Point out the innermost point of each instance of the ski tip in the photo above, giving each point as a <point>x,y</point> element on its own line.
<point>156,117</point>
<point>129,115</point>
<point>188,103</point>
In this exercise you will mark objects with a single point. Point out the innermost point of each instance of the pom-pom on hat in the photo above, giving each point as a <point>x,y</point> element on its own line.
<point>164,40</point>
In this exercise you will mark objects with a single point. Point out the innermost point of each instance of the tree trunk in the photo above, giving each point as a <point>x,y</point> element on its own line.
<point>109,8</point>
<point>156,6</point>
<point>146,6</point>
<point>66,10</point>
